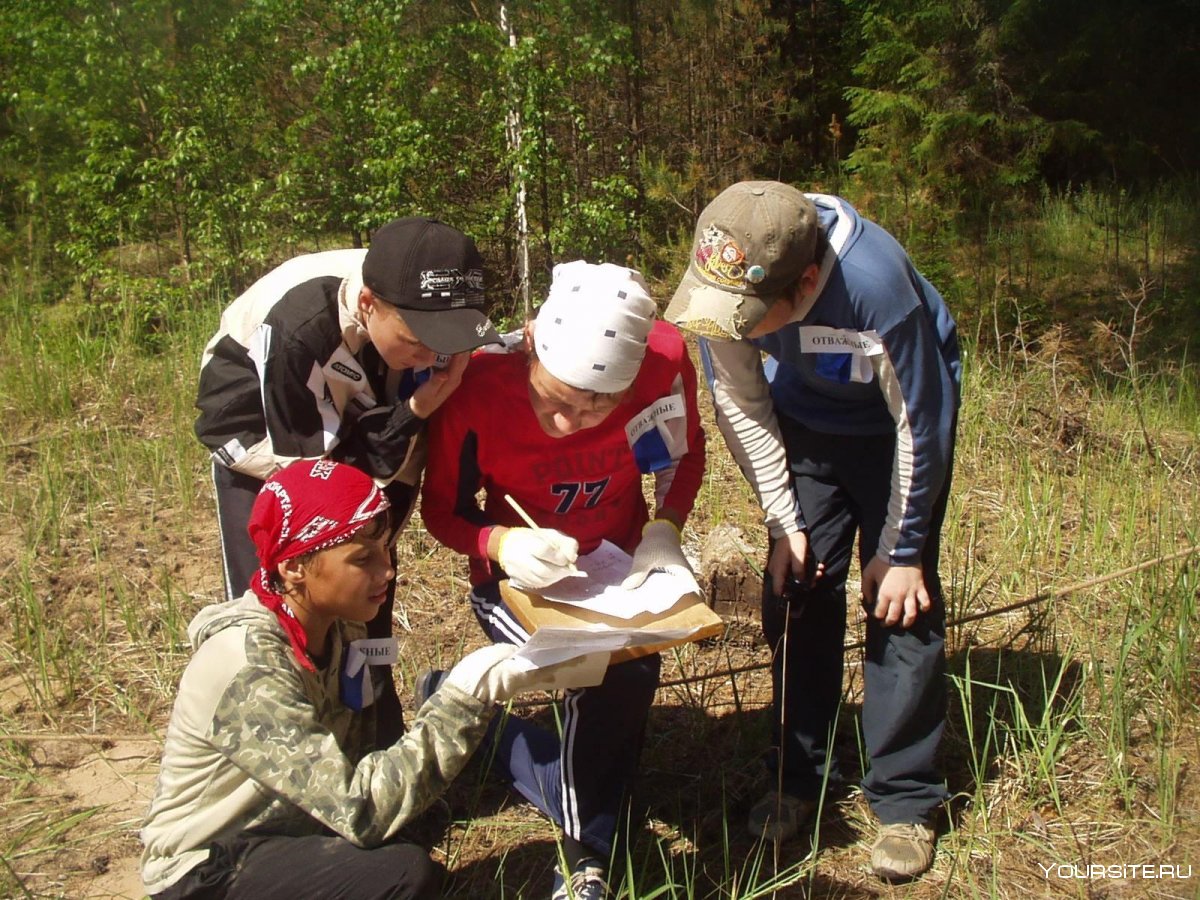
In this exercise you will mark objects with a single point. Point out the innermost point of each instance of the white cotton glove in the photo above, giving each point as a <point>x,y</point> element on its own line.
<point>536,557</point>
<point>490,675</point>
<point>658,551</point>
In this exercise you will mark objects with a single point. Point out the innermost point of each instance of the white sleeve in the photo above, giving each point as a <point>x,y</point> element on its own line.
<point>746,417</point>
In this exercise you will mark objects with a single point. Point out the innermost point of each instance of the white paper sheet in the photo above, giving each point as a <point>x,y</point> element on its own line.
<point>552,645</point>
<point>583,670</point>
<point>601,591</point>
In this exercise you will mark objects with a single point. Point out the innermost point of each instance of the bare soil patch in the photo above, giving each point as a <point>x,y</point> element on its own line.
<point>119,582</point>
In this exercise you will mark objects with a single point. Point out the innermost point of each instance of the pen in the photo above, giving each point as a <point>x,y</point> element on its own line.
<point>527,519</point>
<point>520,512</point>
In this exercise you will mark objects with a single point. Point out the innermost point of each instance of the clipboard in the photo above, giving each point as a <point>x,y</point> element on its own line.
<point>533,610</point>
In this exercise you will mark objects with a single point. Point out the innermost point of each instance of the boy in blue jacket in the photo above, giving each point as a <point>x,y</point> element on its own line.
<point>846,429</point>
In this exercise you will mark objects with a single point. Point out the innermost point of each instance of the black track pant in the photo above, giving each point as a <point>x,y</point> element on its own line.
<point>843,484</point>
<point>265,867</point>
<point>582,777</point>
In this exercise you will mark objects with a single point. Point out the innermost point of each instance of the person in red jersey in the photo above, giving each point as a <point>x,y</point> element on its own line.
<point>602,395</point>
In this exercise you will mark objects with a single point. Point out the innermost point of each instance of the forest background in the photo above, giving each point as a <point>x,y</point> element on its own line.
<point>213,138</point>
<point>1038,159</point>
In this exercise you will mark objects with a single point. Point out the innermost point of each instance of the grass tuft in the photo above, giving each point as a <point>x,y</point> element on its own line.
<point>1073,723</point>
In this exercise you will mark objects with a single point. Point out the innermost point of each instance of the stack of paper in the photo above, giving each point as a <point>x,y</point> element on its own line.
<point>598,586</point>
<point>592,614</point>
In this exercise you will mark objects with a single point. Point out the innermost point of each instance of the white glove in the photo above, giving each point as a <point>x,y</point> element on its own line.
<point>490,675</point>
<point>658,551</point>
<point>536,557</point>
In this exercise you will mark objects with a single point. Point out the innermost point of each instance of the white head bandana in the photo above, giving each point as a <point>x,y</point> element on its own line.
<point>591,331</point>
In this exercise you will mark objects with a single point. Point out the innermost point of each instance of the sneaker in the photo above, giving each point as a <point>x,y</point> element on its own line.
<point>587,882</point>
<point>902,851</point>
<point>778,816</point>
<point>427,683</point>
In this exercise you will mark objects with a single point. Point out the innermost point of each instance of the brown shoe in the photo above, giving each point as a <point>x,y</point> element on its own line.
<point>777,817</point>
<point>903,851</point>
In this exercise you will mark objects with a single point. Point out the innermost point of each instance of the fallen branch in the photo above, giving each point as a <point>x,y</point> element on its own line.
<point>975,617</point>
<point>35,438</point>
<point>58,433</point>
<point>84,737</point>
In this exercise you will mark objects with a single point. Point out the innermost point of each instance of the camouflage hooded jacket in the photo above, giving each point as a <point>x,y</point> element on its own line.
<point>254,741</point>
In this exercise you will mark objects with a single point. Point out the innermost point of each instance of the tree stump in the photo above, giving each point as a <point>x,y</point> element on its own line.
<point>728,575</point>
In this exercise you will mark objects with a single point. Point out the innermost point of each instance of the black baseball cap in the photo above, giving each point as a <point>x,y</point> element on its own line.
<point>434,275</point>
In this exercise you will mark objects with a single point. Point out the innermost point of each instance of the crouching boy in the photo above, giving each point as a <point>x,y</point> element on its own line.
<point>271,782</point>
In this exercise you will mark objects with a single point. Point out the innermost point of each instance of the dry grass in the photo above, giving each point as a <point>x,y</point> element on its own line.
<point>1073,724</point>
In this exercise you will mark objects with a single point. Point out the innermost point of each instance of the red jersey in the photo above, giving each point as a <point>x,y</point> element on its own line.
<point>588,484</point>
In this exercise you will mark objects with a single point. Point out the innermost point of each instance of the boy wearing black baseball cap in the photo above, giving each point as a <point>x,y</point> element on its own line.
<point>342,354</point>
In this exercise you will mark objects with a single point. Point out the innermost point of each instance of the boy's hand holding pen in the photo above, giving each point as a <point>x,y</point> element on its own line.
<point>536,557</point>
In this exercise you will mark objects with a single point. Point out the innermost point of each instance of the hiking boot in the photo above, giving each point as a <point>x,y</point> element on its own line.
<point>427,683</point>
<point>587,882</point>
<point>778,816</point>
<point>902,851</point>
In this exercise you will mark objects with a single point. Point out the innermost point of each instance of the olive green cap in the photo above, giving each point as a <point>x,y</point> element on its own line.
<point>751,244</point>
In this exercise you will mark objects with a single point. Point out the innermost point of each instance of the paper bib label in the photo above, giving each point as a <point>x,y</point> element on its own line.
<point>371,651</point>
<point>844,354</point>
<point>359,690</point>
<point>659,411</point>
<point>822,339</point>
<point>658,434</point>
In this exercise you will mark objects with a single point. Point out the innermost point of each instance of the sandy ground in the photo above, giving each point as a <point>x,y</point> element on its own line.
<point>121,780</point>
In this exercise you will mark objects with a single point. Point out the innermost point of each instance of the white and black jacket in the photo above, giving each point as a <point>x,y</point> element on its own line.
<point>292,374</point>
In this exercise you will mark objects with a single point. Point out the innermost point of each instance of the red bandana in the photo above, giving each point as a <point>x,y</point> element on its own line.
<point>307,506</point>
